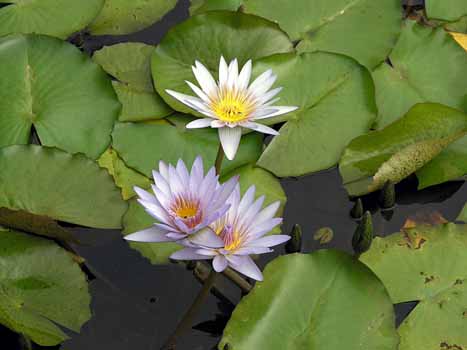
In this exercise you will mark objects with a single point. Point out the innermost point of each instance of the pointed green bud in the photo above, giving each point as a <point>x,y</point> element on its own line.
<point>363,236</point>
<point>294,245</point>
<point>357,210</point>
<point>387,197</point>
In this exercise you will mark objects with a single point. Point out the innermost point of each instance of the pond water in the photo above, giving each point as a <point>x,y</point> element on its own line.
<point>137,305</point>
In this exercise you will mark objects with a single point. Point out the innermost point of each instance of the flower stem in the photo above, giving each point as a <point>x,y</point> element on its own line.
<point>219,159</point>
<point>187,319</point>
<point>238,280</point>
<point>26,343</point>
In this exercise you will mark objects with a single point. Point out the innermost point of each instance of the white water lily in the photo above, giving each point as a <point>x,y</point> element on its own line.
<point>232,103</point>
<point>241,233</point>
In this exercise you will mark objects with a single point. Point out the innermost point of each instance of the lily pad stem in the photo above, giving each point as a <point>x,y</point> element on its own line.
<point>219,159</point>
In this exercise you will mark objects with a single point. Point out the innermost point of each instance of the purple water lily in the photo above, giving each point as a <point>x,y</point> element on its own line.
<point>240,233</point>
<point>183,204</point>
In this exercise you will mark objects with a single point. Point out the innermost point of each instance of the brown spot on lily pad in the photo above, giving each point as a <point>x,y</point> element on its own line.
<point>412,239</point>
<point>446,346</point>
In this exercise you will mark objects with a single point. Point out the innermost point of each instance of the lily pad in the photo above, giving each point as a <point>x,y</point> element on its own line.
<point>125,177</point>
<point>463,214</point>
<point>363,29</point>
<point>427,65</point>
<point>142,145</point>
<point>207,37</point>
<point>336,104</point>
<point>124,17</point>
<point>459,26</point>
<point>129,63</point>
<point>40,285</point>
<point>447,10</point>
<point>200,6</point>
<point>55,184</point>
<point>401,148</point>
<point>59,18</point>
<point>300,306</point>
<point>51,85</point>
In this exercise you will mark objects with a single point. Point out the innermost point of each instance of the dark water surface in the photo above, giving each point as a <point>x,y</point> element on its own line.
<point>137,305</point>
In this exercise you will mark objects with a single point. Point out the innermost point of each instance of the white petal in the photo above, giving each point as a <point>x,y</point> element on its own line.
<point>187,254</point>
<point>219,263</point>
<point>205,79</point>
<point>233,74</point>
<point>150,235</point>
<point>230,140</point>
<point>182,171</point>
<point>223,72</point>
<point>217,124</point>
<point>260,128</point>
<point>247,200</point>
<point>244,76</point>
<point>246,266</point>
<point>279,110</point>
<point>201,94</point>
<point>260,81</point>
<point>268,96</point>
<point>196,175</point>
<point>199,123</point>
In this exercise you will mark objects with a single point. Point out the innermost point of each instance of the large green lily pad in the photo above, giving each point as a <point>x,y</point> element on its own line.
<point>200,6</point>
<point>363,29</point>
<point>130,64</point>
<point>55,184</point>
<point>207,37</point>
<point>325,301</point>
<point>51,85</point>
<point>124,17</point>
<point>427,65</point>
<point>40,285</point>
<point>336,104</point>
<point>447,10</point>
<point>142,145</point>
<point>401,148</point>
<point>426,263</point>
<point>59,18</point>
<point>463,214</point>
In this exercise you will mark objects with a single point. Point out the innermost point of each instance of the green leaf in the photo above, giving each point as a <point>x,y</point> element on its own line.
<point>40,285</point>
<point>335,99</point>
<point>425,263</point>
<point>51,85</point>
<point>125,177</point>
<point>463,214</point>
<point>206,38</point>
<point>363,29</point>
<point>300,306</point>
<point>459,26</point>
<point>124,17</point>
<point>427,65</point>
<point>142,145</point>
<point>59,18</point>
<point>401,148</point>
<point>200,6</point>
<point>447,10</point>
<point>130,64</point>
<point>136,219</point>
<point>55,184</point>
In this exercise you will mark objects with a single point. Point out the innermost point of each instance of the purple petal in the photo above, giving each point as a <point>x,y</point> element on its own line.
<point>269,241</point>
<point>206,238</point>
<point>253,250</point>
<point>175,236</point>
<point>246,266</point>
<point>150,235</point>
<point>144,195</point>
<point>187,254</point>
<point>219,263</point>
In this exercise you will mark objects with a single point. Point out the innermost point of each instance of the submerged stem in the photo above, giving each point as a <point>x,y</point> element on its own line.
<point>238,280</point>
<point>219,159</point>
<point>187,319</point>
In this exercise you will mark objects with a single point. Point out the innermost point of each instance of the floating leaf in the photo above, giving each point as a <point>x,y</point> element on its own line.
<point>40,285</point>
<point>200,6</point>
<point>324,235</point>
<point>55,184</point>
<point>447,10</point>
<point>300,305</point>
<point>206,38</point>
<point>142,145</point>
<point>124,17</point>
<point>401,148</point>
<point>59,18</point>
<point>51,85</point>
<point>331,90</point>
<point>125,177</point>
<point>459,26</point>
<point>427,65</point>
<point>425,263</point>
<point>130,64</point>
<point>463,214</point>
<point>363,29</point>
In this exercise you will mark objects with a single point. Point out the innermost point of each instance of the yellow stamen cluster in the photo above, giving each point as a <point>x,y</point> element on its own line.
<point>185,209</point>
<point>232,106</point>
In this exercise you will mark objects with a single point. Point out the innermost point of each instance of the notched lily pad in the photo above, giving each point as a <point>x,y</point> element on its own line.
<point>124,17</point>
<point>59,186</point>
<point>447,10</point>
<point>401,148</point>
<point>40,286</point>
<point>295,307</point>
<point>200,6</point>
<point>51,85</point>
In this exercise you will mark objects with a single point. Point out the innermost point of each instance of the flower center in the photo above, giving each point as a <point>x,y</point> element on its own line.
<point>232,107</point>
<point>232,240</point>
<point>187,208</point>
<point>187,211</point>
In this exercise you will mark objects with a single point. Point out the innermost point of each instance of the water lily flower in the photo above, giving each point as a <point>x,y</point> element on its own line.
<point>232,103</point>
<point>184,204</point>
<point>242,230</point>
